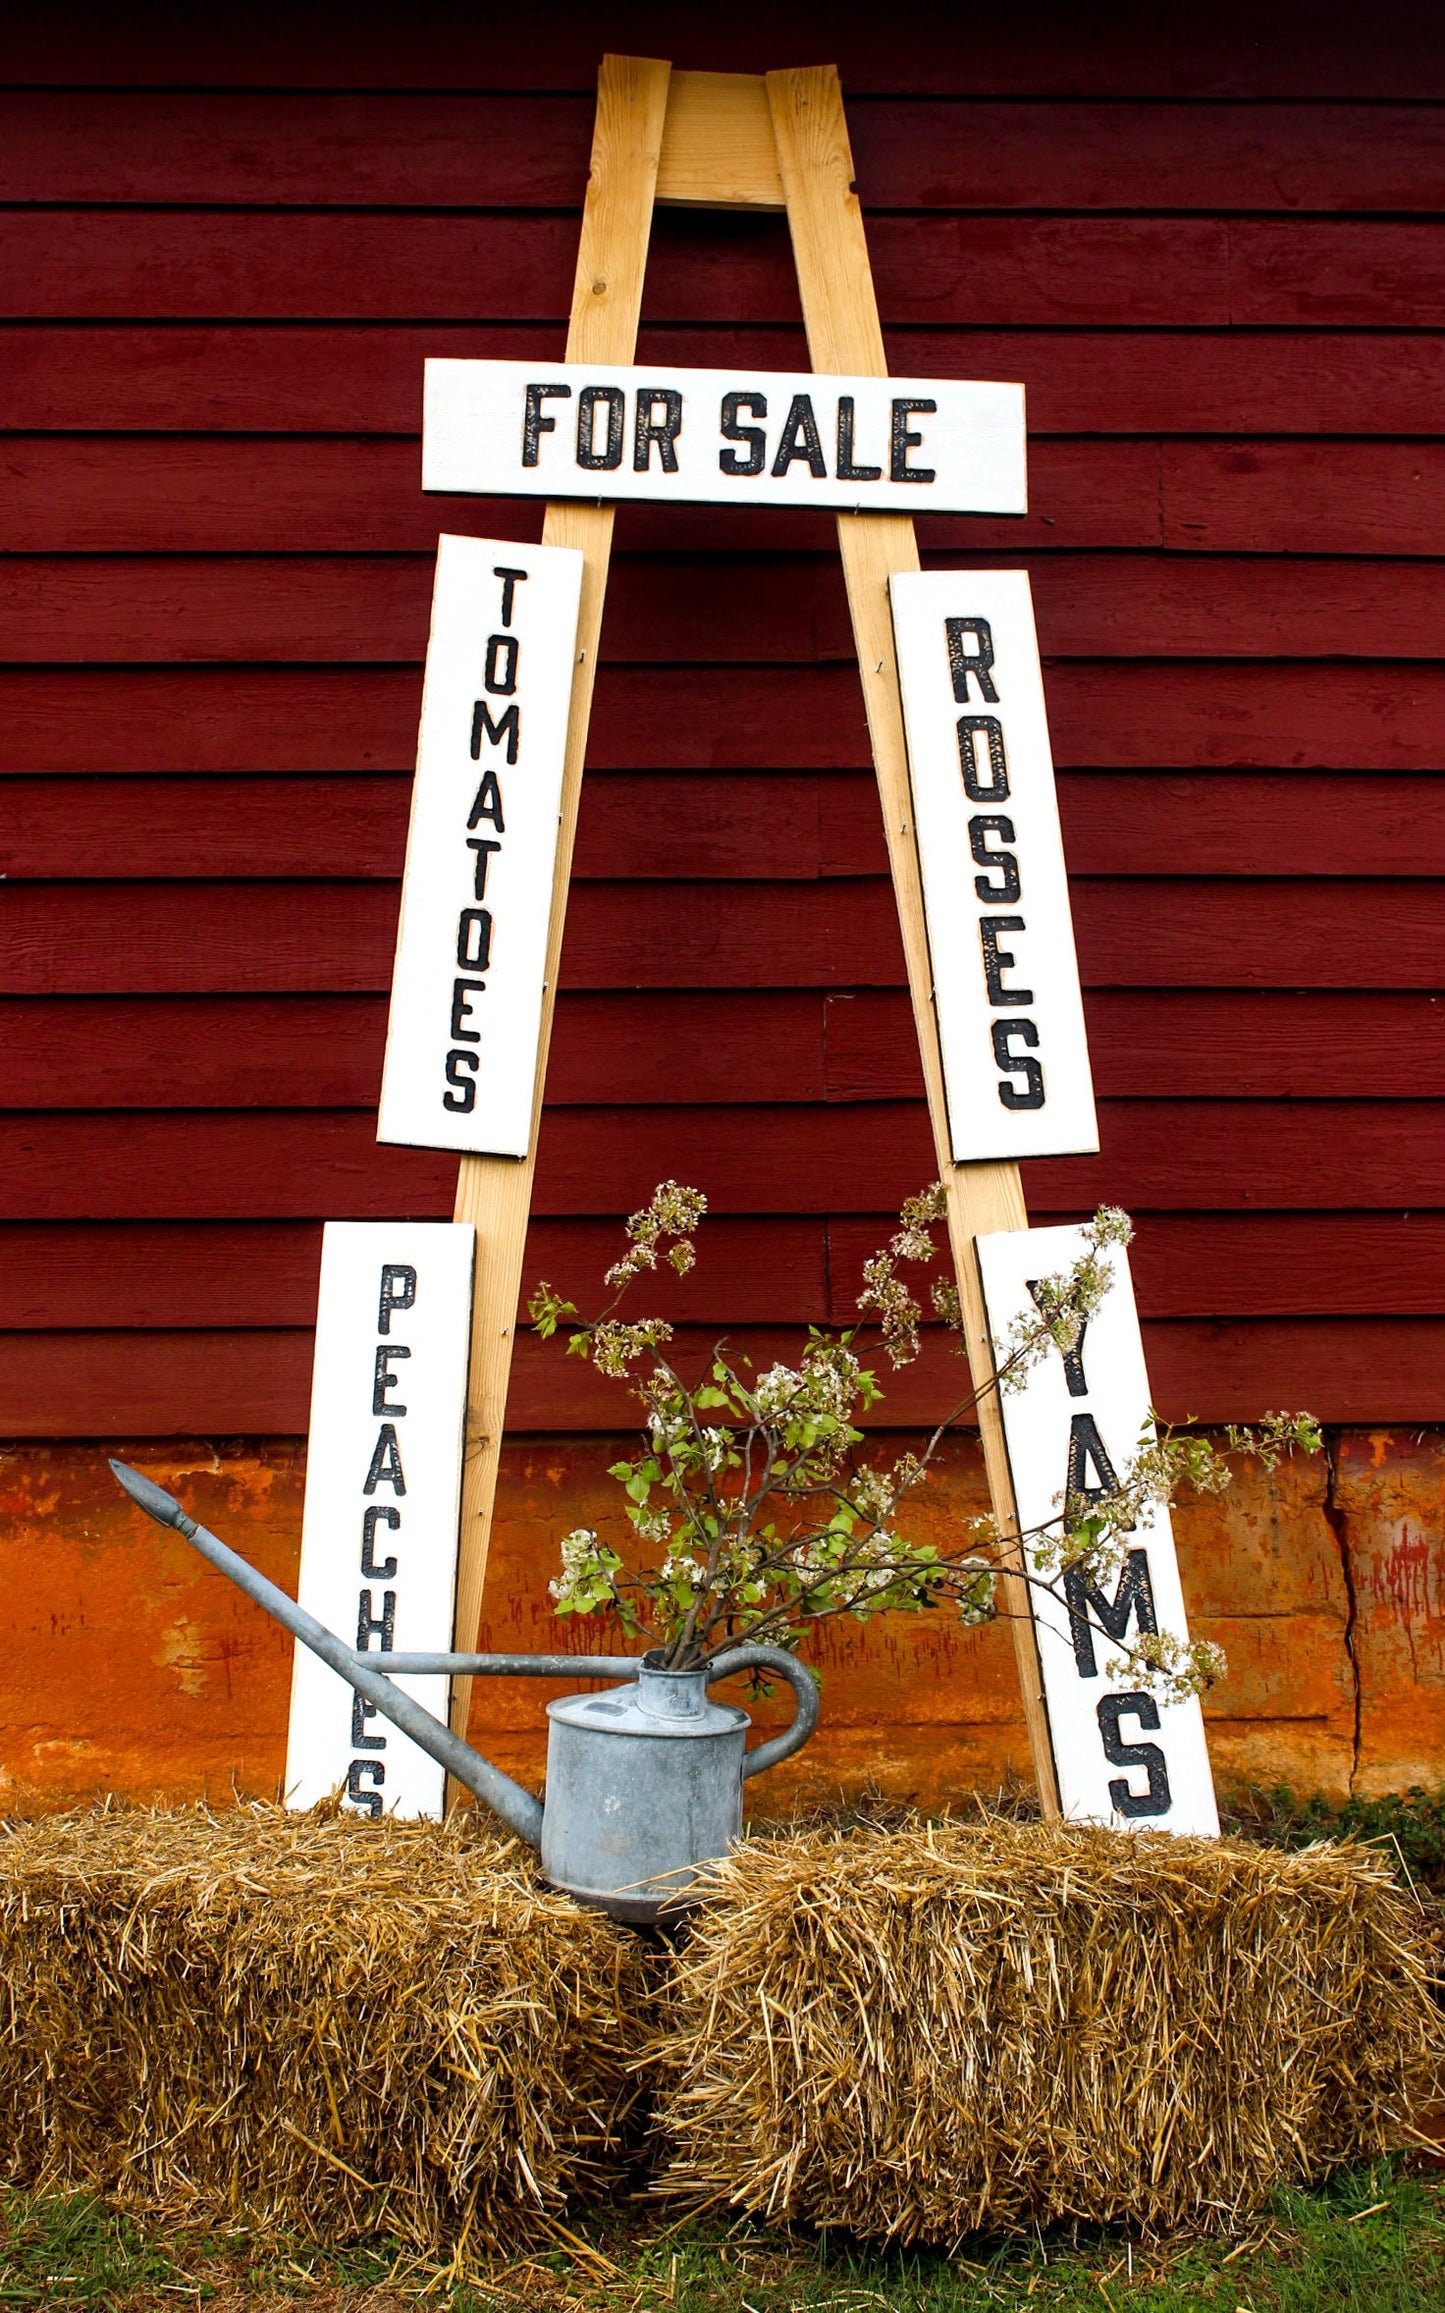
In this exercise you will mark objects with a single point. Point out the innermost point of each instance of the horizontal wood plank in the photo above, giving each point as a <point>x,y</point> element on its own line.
<point>338,938</point>
<point>264,1273</point>
<point>1344,276</point>
<point>651,825</point>
<point>1228,50</point>
<point>1284,497</point>
<point>328,379</point>
<point>1219,1156</point>
<point>681,611</point>
<point>1185,1044</point>
<point>140,1275</point>
<point>326,1051</point>
<point>403,149</point>
<point>187,264</point>
<point>223,1382</point>
<point>1129,715</point>
<point>1063,272</point>
<point>213,493</point>
<point>663,1046</point>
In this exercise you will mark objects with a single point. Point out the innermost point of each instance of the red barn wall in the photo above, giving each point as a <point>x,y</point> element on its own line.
<point>1209,241</point>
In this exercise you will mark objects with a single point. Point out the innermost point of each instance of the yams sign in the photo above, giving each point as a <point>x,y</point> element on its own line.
<point>1123,1756</point>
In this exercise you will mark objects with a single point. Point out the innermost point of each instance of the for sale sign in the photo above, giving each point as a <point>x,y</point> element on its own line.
<point>737,437</point>
<point>1123,1755</point>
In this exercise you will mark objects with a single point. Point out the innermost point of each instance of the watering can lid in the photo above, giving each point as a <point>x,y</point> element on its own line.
<point>620,1713</point>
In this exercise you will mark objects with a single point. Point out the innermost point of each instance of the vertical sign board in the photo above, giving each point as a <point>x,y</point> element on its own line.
<point>995,893</point>
<point>1123,1756</point>
<point>466,992</point>
<point>383,1493</point>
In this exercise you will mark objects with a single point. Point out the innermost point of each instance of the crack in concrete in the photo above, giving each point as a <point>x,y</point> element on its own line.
<point>1335,1519</point>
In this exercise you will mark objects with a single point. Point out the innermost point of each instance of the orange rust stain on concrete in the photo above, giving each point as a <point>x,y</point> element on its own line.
<point>1391,1511</point>
<point>137,1669</point>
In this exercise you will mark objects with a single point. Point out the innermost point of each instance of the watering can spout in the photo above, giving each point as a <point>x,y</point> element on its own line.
<point>516,1807</point>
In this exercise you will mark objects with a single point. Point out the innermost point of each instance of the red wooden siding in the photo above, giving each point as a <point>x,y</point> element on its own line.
<point>1210,242</point>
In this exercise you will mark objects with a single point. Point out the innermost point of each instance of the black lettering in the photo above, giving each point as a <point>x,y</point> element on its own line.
<point>969,729</point>
<point>1085,1447</point>
<point>799,439</point>
<point>1005,866</point>
<point>398,1291</point>
<point>902,441</point>
<point>462,1098</point>
<point>385,1462</point>
<point>483,727</point>
<point>361,1711</point>
<point>1007,1033</point>
<point>977,663</point>
<point>511,580</point>
<point>474,939</point>
<point>1157,1800</point>
<point>609,457</point>
<point>500,675</point>
<point>487,803</point>
<point>1073,1358</point>
<point>1134,1596</point>
<point>535,422</point>
<point>384,1379</point>
<point>847,471</point>
<point>380,1514</point>
<point>663,431</point>
<point>368,1626</point>
<point>997,960</point>
<point>728,460</point>
<point>483,846</point>
<point>462,1010</point>
<point>368,1801</point>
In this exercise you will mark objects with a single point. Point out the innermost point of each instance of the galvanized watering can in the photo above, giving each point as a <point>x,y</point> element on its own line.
<point>643,1785</point>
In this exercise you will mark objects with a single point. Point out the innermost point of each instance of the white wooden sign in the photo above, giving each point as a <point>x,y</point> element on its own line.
<point>1122,1755</point>
<point>996,895</point>
<point>383,1494</point>
<point>741,437</point>
<point>471,948</point>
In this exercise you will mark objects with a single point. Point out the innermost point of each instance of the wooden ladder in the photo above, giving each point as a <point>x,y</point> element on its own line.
<point>723,141</point>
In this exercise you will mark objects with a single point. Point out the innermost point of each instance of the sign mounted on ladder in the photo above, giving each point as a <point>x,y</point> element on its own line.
<point>1122,1755</point>
<point>471,948</point>
<point>995,890</point>
<point>383,1478</point>
<point>878,445</point>
<point>599,428</point>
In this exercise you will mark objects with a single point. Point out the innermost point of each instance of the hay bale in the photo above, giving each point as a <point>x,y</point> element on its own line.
<point>918,2033</point>
<point>306,2022</point>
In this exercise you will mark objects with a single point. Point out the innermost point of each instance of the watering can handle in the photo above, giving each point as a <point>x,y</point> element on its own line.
<point>803,1684</point>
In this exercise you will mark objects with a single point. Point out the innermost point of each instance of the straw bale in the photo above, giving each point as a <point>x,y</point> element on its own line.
<point>919,2033</point>
<point>304,2021</point>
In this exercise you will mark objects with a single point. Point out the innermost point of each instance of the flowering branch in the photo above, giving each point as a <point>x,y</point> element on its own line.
<point>759,1521</point>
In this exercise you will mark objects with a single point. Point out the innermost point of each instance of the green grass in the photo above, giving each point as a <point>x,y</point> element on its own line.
<point>1411,1824</point>
<point>1371,2242</point>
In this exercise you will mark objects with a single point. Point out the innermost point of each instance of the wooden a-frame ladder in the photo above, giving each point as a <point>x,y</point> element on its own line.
<point>720,141</point>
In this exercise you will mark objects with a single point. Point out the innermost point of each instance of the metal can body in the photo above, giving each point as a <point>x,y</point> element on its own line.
<point>642,1785</point>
